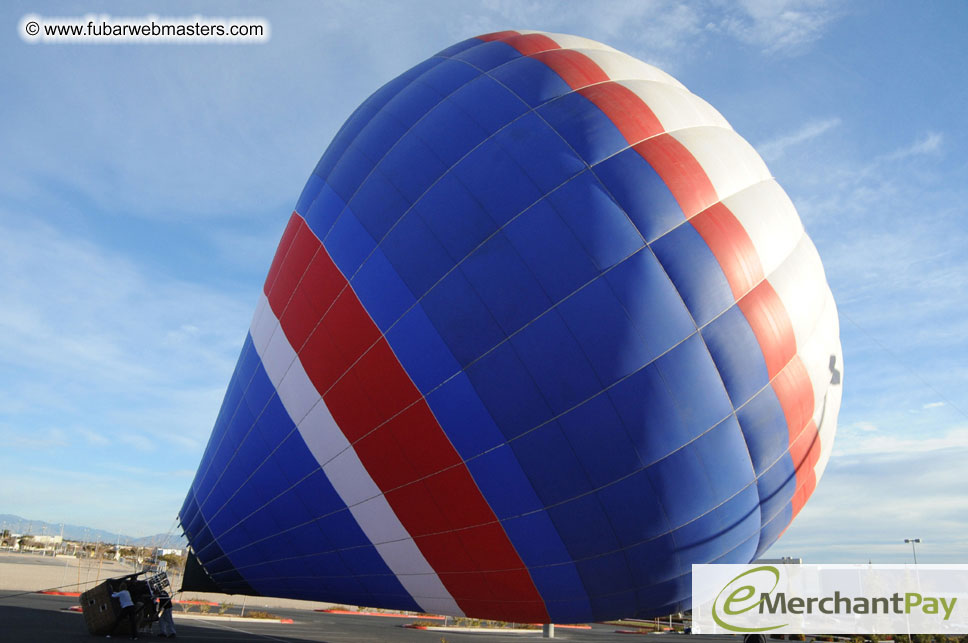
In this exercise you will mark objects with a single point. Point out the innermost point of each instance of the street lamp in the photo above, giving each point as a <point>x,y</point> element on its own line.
<point>913,550</point>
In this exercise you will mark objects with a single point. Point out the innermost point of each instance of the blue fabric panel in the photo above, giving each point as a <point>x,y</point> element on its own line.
<point>421,68</point>
<point>356,122</point>
<point>381,291</point>
<point>496,181</point>
<point>363,561</point>
<point>737,354</point>
<point>349,173</point>
<point>347,134</point>
<point>489,103</point>
<point>641,192</point>
<point>449,131</point>
<point>532,80</point>
<point>456,48</point>
<point>379,135</point>
<point>559,583</point>
<point>318,495</point>
<point>503,482</point>
<point>462,319</point>
<point>348,243</point>
<point>741,554</point>
<point>721,530</point>
<point>384,588</point>
<point>765,429</point>
<point>774,528</point>
<point>309,193</point>
<point>464,418</point>
<point>612,606</point>
<point>287,510</point>
<point>607,575</point>
<point>651,301</point>
<point>549,462</point>
<point>556,362</point>
<point>587,129</point>
<point>655,561</point>
<point>294,458</point>
<point>694,270</point>
<point>728,475</point>
<point>412,166</point>
<point>681,484</point>
<point>421,351</point>
<point>540,151</point>
<point>259,391</point>
<point>505,284</point>
<point>323,211</point>
<point>508,391</point>
<point>648,521</point>
<point>550,250</point>
<point>413,102</point>
<point>448,75</point>
<point>274,425</point>
<point>600,441</point>
<point>488,55</point>
<point>378,204</point>
<point>264,484</point>
<point>605,333</point>
<point>647,409</point>
<point>537,540</point>
<point>416,254</point>
<point>583,527</point>
<point>608,236</point>
<point>695,384</point>
<point>455,217</point>
<point>343,532</point>
<point>579,610</point>
<point>776,487</point>
<point>305,540</point>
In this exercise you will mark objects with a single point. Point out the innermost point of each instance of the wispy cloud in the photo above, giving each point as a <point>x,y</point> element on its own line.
<point>928,144</point>
<point>785,26</point>
<point>777,147</point>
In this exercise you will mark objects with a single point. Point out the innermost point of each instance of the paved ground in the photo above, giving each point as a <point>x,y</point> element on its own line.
<point>37,618</point>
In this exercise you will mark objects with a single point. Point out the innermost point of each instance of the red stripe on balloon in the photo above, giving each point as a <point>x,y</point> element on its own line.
<point>396,436</point>
<point>795,393</point>
<point>680,171</point>
<point>732,247</point>
<point>497,35</point>
<point>771,324</point>
<point>627,111</point>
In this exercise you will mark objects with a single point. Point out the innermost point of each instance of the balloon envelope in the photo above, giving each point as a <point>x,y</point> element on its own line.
<point>541,333</point>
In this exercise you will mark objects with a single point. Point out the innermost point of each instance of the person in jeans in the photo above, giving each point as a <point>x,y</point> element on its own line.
<point>128,610</point>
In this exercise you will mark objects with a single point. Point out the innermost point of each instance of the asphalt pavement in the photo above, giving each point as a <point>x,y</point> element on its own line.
<point>30,618</point>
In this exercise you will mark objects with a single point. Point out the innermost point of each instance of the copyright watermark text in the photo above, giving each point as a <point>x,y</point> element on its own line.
<point>150,29</point>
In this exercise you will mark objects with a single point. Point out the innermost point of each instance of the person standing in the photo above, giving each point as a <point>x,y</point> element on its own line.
<point>128,610</point>
<point>164,617</point>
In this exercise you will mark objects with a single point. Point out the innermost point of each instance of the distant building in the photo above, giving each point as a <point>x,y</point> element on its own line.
<point>46,540</point>
<point>159,551</point>
<point>786,560</point>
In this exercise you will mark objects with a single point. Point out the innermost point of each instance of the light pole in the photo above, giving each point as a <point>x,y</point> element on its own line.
<point>913,550</point>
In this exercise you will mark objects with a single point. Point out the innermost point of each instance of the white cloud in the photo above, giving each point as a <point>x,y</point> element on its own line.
<point>928,144</point>
<point>933,405</point>
<point>778,26</point>
<point>777,147</point>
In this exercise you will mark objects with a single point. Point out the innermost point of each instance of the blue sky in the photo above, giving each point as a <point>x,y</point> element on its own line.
<point>143,189</point>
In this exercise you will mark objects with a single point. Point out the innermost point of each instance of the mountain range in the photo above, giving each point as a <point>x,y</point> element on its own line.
<point>17,524</point>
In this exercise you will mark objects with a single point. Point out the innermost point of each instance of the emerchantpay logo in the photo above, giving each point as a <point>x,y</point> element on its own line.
<point>830,599</point>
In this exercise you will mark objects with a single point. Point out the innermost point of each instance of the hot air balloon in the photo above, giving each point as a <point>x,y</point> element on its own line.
<point>541,333</point>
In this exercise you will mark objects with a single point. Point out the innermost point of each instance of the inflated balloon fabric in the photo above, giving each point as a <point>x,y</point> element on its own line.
<point>541,333</point>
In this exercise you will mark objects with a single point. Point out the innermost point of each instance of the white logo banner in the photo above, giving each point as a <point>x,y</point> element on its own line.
<point>830,599</point>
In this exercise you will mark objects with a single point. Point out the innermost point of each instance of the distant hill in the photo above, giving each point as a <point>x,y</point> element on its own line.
<point>18,524</point>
